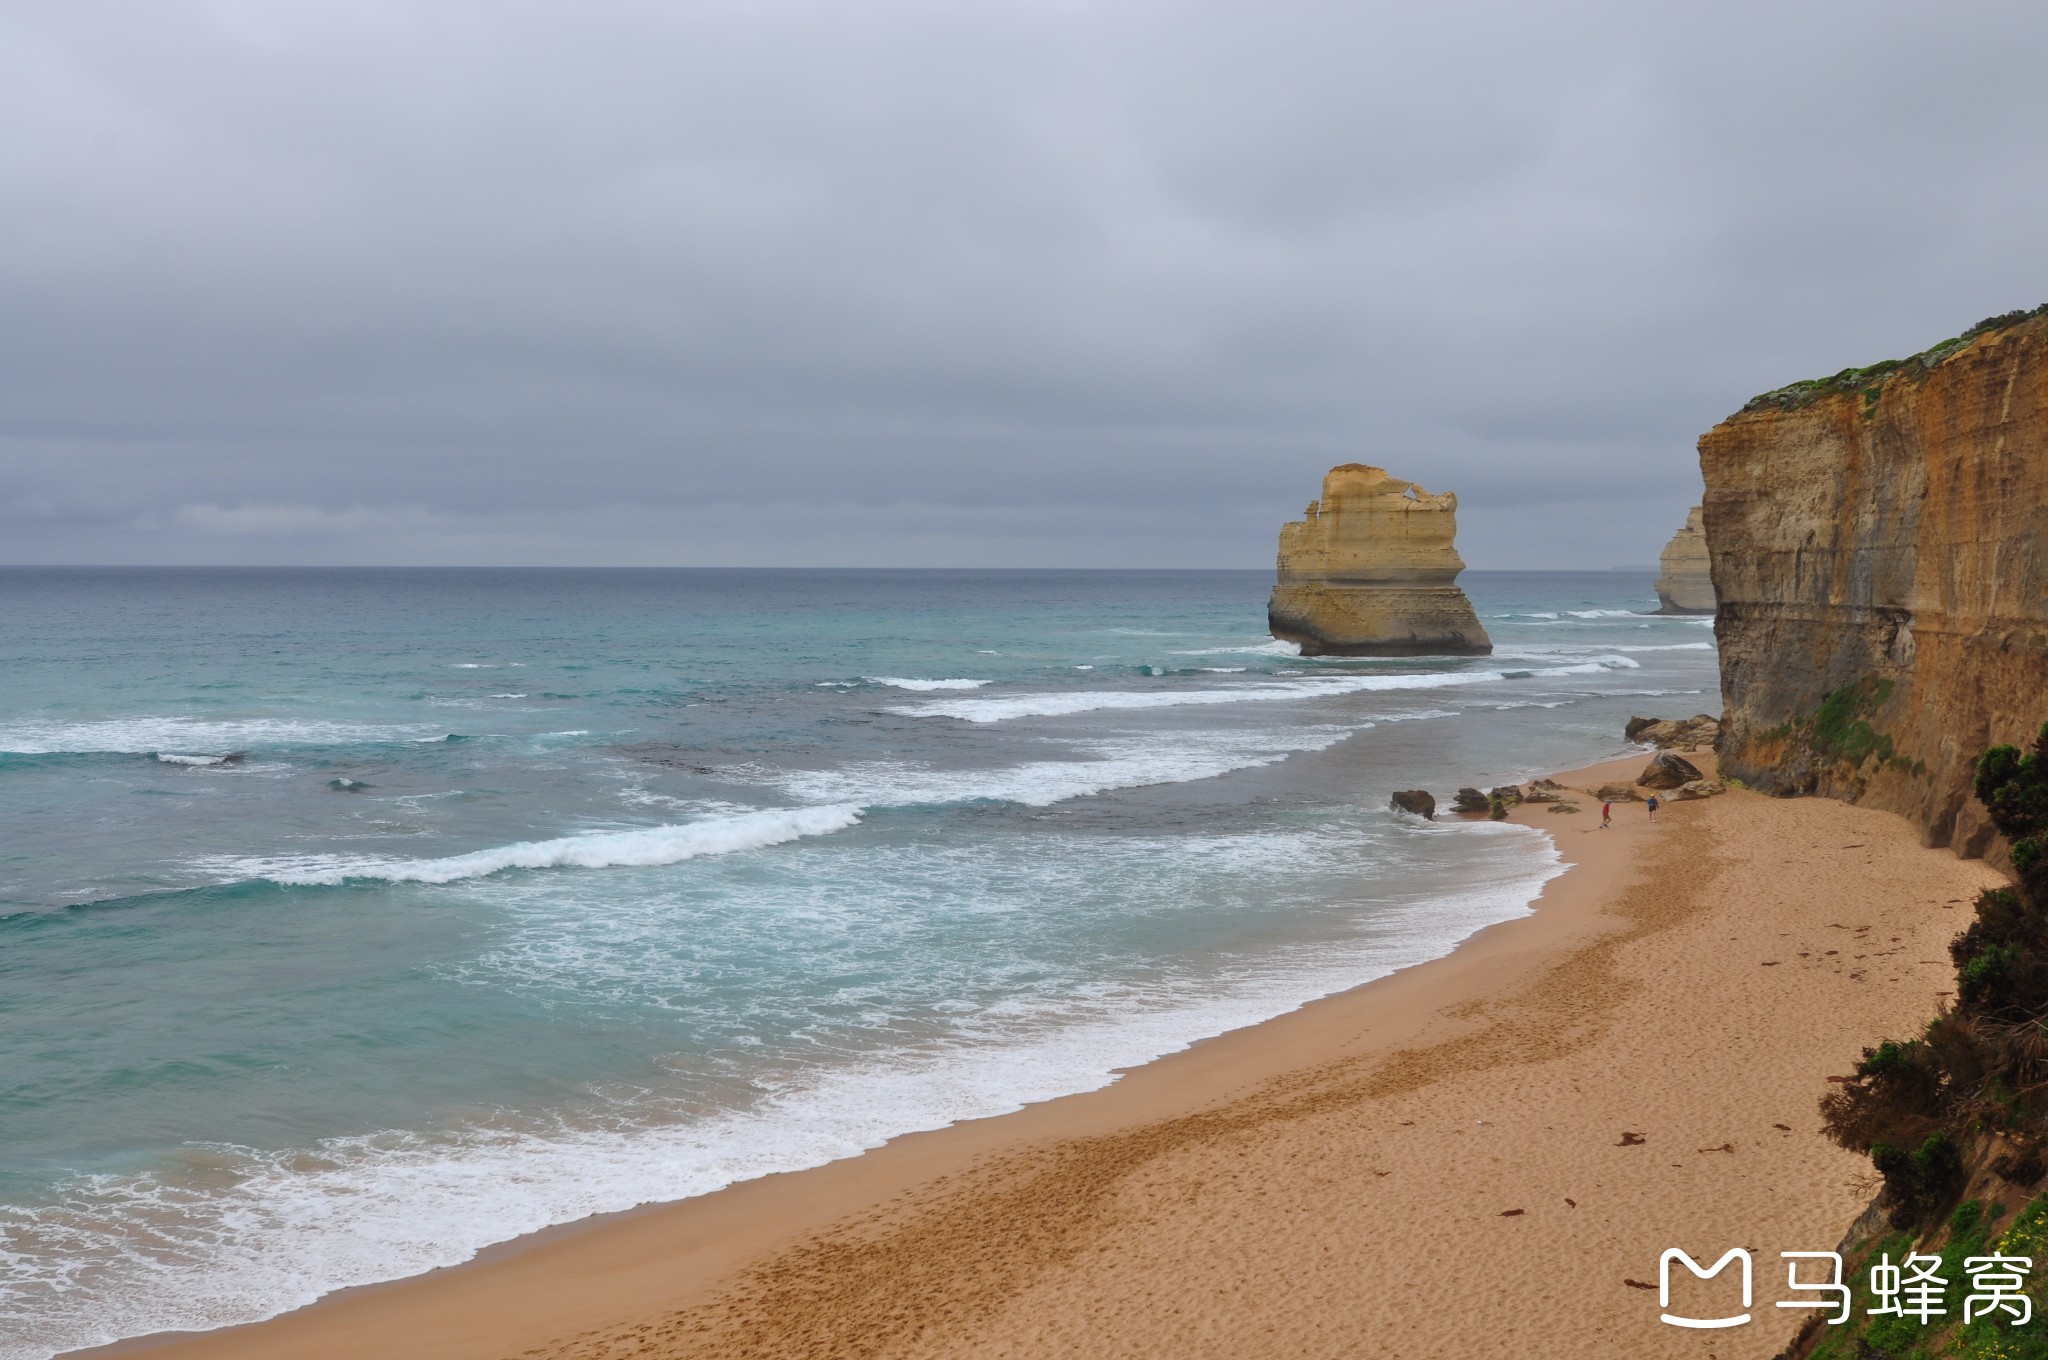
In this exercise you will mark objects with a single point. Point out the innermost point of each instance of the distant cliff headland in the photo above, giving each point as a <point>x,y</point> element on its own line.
<point>1879,547</point>
<point>1371,569</point>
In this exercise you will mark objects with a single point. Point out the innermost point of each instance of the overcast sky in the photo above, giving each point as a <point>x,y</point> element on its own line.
<point>960,282</point>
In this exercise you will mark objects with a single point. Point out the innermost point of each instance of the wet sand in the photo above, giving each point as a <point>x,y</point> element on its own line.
<point>1472,1157</point>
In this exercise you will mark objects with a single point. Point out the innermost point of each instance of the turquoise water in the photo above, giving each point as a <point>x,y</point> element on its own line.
<point>351,921</point>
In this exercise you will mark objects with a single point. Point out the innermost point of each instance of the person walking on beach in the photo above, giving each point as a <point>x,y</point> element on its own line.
<point>1653,807</point>
<point>1606,815</point>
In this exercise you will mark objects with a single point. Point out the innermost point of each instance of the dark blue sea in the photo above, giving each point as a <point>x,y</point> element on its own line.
<point>351,921</point>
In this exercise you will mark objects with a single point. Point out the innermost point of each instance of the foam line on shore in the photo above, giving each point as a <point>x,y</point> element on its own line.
<point>273,1231</point>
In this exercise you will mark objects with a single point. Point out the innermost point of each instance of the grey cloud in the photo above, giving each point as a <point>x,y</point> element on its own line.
<point>919,283</point>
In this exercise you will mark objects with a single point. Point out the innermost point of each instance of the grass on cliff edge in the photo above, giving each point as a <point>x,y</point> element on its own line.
<point>1969,1232</point>
<point>1870,380</point>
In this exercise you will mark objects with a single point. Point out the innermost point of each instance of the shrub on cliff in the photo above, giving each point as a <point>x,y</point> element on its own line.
<point>1982,1063</point>
<point>1922,1180</point>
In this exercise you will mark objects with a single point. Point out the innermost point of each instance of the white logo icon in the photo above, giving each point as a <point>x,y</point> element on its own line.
<point>1664,1286</point>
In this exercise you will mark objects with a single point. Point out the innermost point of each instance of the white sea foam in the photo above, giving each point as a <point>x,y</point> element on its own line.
<point>1669,647</point>
<point>1274,648</point>
<point>1057,703</point>
<point>149,735</point>
<point>1605,613</point>
<point>641,847</point>
<point>169,758</point>
<point>900,682</point>
<point>245,1234</point>
<point>1117,764</point>
<point>1534,652</point>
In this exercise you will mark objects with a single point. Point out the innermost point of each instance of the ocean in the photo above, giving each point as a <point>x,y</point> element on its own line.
<point>353,920</point>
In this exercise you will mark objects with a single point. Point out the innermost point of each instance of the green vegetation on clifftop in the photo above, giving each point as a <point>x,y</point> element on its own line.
<point>1870,380</point>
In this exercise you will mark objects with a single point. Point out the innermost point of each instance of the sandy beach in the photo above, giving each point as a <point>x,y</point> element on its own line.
<point>1475,1156</point>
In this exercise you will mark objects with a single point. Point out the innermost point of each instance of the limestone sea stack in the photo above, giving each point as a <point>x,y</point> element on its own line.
<point>1686,587</point>
<point>1371,569</point>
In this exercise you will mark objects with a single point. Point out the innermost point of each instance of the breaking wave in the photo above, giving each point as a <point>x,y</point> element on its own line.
<point>899,682</point>
<point>640,848</point>
<point>1057,704</point>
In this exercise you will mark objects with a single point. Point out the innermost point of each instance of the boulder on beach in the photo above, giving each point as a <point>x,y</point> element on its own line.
<point>1418,801</point>
<point>1698,788</point>
<point>1506,793</point>
<point>1546,785</point>
<point>1667,771</point>
<point>1536,793</point>
<point>1468,800</point>
<point>1617,793</point>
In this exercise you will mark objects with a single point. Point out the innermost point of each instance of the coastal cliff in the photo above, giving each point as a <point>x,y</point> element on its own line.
<point>1684,584</point>
<point>1879,545</point>
<point>1371,569</point>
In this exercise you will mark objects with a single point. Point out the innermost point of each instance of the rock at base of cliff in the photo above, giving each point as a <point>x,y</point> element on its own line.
<point>1667,771</point>
<point>1698,788</point>
<point>1468,800</point>
<point>1701,729</point>
<point>1418,801</point>
<point>1617,793</point>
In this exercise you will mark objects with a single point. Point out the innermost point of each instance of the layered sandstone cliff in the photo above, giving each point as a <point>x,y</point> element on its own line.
<point>1371,570</point>
<point>1684,585</point>
<point>1880,553</point>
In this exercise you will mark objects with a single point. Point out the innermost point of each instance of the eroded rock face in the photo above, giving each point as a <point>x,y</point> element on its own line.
<point>1880,549</point>
<point>1371,570</point>
<point>1685,584</point>
<point>1664,733</point>
<point>1418,801</point>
